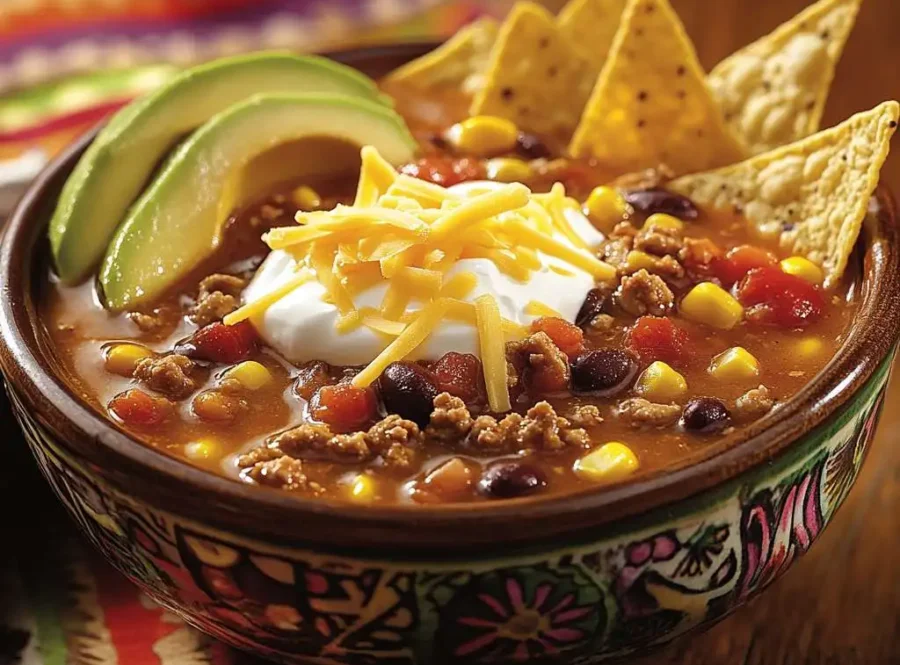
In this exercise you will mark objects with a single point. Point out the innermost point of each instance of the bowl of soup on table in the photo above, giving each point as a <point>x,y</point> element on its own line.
<point>542,344</point>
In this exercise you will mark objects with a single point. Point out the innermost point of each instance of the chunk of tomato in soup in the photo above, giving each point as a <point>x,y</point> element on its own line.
<point>568,337</point>
<point>774,297</point>
<point>460,374</point>
<point>136,408</point>
<point>445,170</point>
<point>741,260</point>
<point>658,338</point>
<point>222,344</point>
<point>344,406</point>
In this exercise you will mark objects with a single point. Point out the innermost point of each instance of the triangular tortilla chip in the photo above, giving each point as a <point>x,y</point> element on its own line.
<point>651,105</point>
<point>590,26</point>
<point>773,91</point>
<point>535,77</point>
<point>812,194</point>
<point>459,63</point>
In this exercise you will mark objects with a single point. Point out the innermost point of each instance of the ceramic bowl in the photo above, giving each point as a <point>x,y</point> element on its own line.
<point>578,579</point>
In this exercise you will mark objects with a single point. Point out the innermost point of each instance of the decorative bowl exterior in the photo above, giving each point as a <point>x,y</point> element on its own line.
<point>596,592</point>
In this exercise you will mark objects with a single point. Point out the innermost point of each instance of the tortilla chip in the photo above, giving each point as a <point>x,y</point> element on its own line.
<point>590,26</point>
<point>535,77</point>
<point>460,62</point>
<point>651,105</point>
<point>773,91</point>
<point>812,193</point>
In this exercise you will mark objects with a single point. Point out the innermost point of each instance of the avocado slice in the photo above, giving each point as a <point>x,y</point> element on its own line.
<point>178,220</point>
<point>110,175</point>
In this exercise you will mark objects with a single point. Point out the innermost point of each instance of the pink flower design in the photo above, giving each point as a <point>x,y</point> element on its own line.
<point>775,535</point>
<point>522,625</point>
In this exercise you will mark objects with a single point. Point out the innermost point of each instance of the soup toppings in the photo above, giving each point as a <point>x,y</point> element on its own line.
<point>556,265</point>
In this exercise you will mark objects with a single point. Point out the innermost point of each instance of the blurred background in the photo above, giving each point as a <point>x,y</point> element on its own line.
<point>65,64</point>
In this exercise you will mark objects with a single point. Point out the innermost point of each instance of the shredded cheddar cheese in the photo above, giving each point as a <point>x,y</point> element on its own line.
<point>493,352</point>
<point>409,234</point>
<point>260,305</point>
<point>413,335</point>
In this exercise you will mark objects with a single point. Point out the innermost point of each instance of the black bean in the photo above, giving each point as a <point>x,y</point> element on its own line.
<point>408,389</point>
<point>507,480</point>
<point>530,146</point>
<point>603,372</point>
<point>592,307</point>
<point>704,415</point>
<point>650,201</point>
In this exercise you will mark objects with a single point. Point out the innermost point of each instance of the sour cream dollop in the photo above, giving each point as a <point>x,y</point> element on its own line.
<point>301,326</point>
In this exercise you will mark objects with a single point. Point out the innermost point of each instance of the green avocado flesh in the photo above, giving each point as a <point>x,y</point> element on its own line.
<point>177,221</point>
<point>120,161</point>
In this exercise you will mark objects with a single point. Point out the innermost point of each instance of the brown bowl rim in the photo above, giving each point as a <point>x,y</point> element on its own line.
<point>404,531</point>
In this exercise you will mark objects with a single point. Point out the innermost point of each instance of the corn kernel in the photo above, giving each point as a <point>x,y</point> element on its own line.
<point>710,304</point>
<point>611,461</point>
<point>804,269</point>
<point>663,221</point>
<point>637,260</point>
<point>734,364</point>
<point>483,135</point>
<point>606,207</point>
<point>123,358</point>
<point>809,348</point>
<point>306,198</point>
<point>508,169</point>
<point>661,383</point>
<point>362,488</point>
<point>199,450</point>
<point>250,374</point>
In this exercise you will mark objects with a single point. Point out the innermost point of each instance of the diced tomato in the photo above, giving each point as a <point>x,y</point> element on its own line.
<point>741,260</point>
<point>568,337</point>
<point>777,298</point>
<point>344,406</point>
<point>460,374</point>
<point>222,344</point>
<point>658,338</point>
<point>137,408</point>
<point>445,170</point>
<point>700,257</point>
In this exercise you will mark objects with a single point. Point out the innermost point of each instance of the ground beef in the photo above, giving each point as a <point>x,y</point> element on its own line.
<point>666,267</point>
<point>646,179</point>
<point>148,323</point>
<point>585,415</point>
<point>544,369</point>
<point>698,253</point>
<point>169,375</point>
<point>602,323</point>
<point>753,404</point>
<point>542,429</point>
<point>638,411</point>
<point>218,296</point>
<point>490,435</point>
<point>615,250</point>
<point>450,421</point>
<point>393,439</point>
<point>643,293</point>
<point>271,469</point>
<point>658,241</point>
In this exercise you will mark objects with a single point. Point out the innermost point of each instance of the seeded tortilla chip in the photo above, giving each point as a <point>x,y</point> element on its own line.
<point>651,104</point>
<point>535,77</point>
<point>459,63</point>
<point>813,194</point>
<point>590,26</point>
<point>773,91</point>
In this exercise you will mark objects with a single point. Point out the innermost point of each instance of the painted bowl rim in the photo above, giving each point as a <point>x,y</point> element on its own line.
<point>176,486</point>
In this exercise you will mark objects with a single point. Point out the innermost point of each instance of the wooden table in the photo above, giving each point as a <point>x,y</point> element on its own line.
<point>839,605</point>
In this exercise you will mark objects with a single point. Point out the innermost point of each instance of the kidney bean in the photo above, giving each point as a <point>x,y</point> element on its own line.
<point>530,146</point>
<point>603,371</point>
<point>507,480</point>
<point>593,306</point>
<point>220,343</point>
<point>705,415</point>
<point>408,389</point>
<point>650,201</point>
<point>460,374</point>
